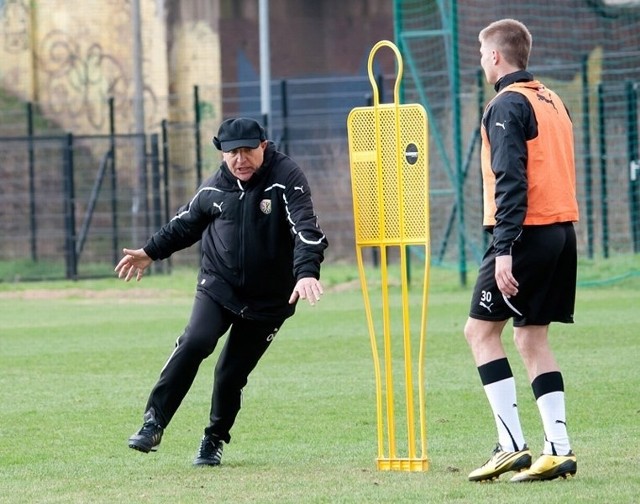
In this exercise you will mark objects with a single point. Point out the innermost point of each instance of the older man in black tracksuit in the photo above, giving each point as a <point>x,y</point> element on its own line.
<point>261,251</point>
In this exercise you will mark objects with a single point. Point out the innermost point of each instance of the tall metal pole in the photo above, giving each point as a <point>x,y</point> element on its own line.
<point>34,8</point>
<point>138,112</point>
<point>265,67</point>
<point>138,79</point>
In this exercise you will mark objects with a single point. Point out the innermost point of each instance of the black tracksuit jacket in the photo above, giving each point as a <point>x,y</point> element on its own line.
<point>258,238</point>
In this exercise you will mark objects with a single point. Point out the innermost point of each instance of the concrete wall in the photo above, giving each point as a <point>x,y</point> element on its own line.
<point>308,38</point>
<point>70,56</point>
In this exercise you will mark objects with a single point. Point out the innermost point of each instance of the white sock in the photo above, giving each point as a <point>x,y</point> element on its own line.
<point>502,398</point>
<point>554,422</point>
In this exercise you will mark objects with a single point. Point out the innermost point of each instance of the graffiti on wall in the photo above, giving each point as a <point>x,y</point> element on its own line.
<point>71,60</point>
<point>73,71</point>
<point>80,79</point>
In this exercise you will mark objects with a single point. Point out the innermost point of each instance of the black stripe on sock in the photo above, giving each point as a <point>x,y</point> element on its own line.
<point>547,383</point>
<point>495,371</point>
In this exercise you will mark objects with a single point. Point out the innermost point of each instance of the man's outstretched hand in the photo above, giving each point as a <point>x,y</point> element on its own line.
<point>307,288</point>
<point>134,262</point>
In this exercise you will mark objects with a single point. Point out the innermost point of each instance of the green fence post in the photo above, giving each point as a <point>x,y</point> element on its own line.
<point>33,224</point>
<point>457,143</point>
<point>69,208</point>
<point>632,149</point>
<point>602,137</point>
<point>165,178</point>
<point>198,146</point>
<point>586,147</point>
<point>114,182</point>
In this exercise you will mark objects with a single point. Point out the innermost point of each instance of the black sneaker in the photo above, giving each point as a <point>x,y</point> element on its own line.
<point>210,452</point>
<point>149,436</point>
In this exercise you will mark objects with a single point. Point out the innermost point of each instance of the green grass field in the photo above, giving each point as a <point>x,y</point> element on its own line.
<point>77,361</point>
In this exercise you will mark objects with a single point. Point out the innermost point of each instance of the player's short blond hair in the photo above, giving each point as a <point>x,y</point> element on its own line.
<point>512,38</point>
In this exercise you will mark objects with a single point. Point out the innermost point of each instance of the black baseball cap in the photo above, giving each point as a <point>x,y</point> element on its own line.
<point>239,132</point>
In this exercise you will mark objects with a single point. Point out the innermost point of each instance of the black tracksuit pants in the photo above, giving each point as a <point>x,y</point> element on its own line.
<point>246,344</point>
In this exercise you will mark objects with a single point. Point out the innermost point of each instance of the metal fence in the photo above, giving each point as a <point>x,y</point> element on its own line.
<point>70,202</point>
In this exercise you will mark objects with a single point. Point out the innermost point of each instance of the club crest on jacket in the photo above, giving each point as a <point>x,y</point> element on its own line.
<point>265,206</point>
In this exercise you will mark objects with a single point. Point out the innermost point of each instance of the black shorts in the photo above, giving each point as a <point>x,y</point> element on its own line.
<point>545,266</point>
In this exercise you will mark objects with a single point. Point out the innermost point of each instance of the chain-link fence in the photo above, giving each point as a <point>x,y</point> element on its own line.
<point>70,202</point>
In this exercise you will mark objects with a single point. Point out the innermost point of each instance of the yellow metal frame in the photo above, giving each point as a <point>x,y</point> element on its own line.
<point>388,152</point>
